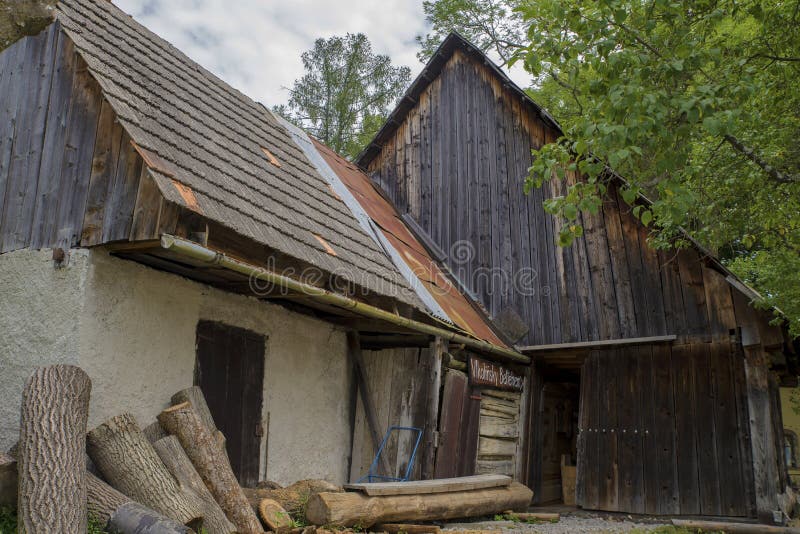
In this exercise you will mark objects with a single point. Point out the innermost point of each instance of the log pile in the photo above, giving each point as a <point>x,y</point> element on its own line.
<point>174,476</point>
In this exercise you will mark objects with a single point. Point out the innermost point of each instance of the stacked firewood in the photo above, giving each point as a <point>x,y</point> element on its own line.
<point>173,476</point>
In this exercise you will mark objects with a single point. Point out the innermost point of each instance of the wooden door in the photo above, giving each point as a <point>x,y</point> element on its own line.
<point>663,430</point>
<point>458,427</point>
<point>230,371</point>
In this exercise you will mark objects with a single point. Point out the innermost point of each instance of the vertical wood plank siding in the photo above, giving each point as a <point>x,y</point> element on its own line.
<point>458,163</point>
<point>68,176</point>
<point>462,178</point>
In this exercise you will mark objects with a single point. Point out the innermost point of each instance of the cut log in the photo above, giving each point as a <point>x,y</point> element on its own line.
<point>211,464</point>
<point>133,518</point>
<point>399,528</point>
<point>118,513</point>
<point>130,464</point>
<point>194,396</point>
<point>153,432</point>
<point>174,457</point>
<point>292,498</point>
<point>351,508</point>
<point>8,480</point>
<point>733,528</point>
<point>273,515</point>
<point>51,456</point>
<point>102,500</point>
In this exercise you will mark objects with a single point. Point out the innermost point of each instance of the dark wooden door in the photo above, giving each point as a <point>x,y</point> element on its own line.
<point>663,430</point>
<point>458,427</point>
<point>230,371</point>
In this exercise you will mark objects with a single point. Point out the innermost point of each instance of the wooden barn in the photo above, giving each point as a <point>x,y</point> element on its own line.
<point>160,229</point>
<point>651,372</point>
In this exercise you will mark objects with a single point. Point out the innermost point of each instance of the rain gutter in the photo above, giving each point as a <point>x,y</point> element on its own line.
<point>198,252</point>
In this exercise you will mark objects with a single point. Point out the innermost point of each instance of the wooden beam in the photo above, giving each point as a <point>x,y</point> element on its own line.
<point>437,348</point>
<point>354,349</point>
<point>599,344</point>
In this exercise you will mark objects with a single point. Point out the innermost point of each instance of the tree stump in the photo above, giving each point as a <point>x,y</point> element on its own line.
<point>130,464</point>
<point>51,456</point>
<point>171,452</point>
<point>211,464</point>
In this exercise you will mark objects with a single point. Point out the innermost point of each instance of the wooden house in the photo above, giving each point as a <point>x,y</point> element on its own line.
<point>651,370</point>
<point>160,229</point>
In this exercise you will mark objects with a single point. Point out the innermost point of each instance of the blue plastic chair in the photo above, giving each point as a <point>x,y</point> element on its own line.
<point>373,476</point>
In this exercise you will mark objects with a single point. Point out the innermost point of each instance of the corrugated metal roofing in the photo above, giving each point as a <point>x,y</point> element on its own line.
<point>224,151</point>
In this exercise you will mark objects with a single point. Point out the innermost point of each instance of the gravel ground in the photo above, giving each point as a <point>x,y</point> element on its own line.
<point>568,524</point>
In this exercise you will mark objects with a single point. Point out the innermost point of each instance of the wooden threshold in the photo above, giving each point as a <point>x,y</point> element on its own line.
<point>598,344</point>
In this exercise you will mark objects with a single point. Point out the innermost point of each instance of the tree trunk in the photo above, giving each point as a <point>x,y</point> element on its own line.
<point>351,508</point>
<point>128,461</point>
<point>118,513</point>
<point>732,528</point>
<point>174,457</point>
<point>212,465</point>
<point>51,456</point>
<point>8,480</point>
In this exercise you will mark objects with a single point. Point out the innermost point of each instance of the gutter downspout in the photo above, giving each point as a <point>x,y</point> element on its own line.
<point>212,257</point>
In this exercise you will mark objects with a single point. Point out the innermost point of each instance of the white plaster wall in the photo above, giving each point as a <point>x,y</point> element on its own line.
<point>134,333</point>
<point>39,310</point>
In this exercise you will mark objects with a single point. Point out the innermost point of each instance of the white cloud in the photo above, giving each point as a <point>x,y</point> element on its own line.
<point>255,45</point>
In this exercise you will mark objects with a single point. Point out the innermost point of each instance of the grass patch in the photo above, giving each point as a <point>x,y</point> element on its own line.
<point>517,519</point>
<point>8,522</point>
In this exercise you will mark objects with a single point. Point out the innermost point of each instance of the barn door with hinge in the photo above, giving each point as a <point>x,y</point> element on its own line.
<point>663,430</point>
<point>230,372</point>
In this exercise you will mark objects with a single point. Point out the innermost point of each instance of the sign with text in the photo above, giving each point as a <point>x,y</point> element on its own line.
<point>483,373</point>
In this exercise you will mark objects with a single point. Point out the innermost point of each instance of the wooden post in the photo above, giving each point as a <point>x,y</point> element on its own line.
<point>435,352</point>
<point>52,445</point>
<point>375,430</point>
<point>762,438</point>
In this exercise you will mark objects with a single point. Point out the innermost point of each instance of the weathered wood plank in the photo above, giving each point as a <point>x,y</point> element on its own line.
<point>76,167</point>
<point>29,123</point>
<point>686,429</point>
<point>422,487</point>
<point>104,166</point>
<point>118,213</point>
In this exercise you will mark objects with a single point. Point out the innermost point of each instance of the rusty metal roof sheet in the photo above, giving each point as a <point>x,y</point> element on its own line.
<point>391,229</point>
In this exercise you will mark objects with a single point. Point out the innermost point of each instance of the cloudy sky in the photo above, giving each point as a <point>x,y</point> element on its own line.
<point>255,45</point>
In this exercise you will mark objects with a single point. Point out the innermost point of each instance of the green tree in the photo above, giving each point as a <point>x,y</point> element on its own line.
<point>492,25</point>
<point>695,103</point>
<point>346,92</point>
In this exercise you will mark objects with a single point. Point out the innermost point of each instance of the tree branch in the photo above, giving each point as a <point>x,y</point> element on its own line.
<point>749,153</point>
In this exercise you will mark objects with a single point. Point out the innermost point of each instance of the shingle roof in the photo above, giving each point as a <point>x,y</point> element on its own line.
<point>210,137</point>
